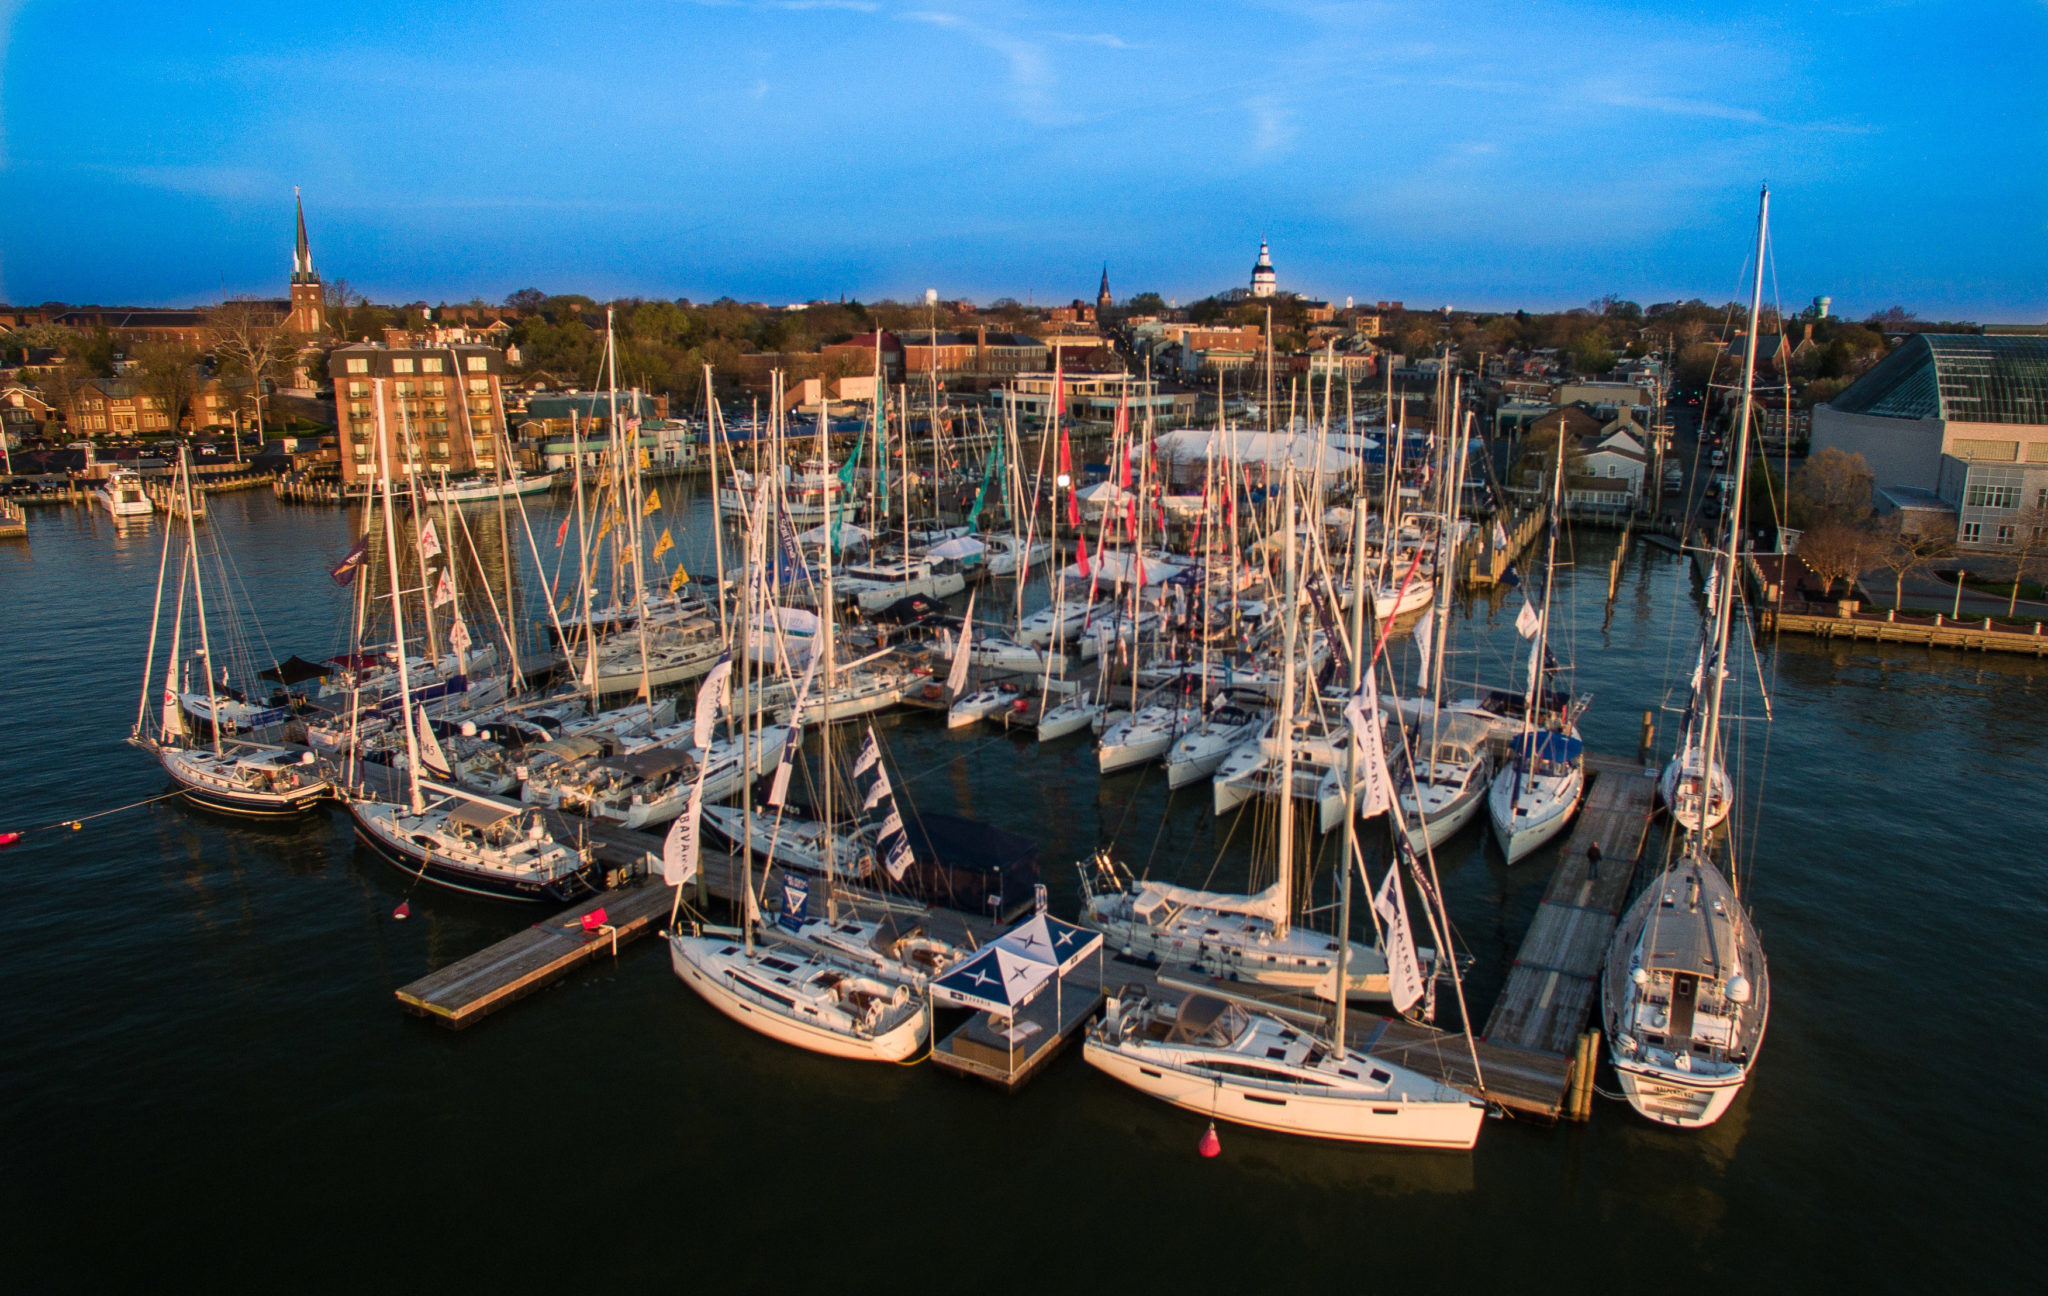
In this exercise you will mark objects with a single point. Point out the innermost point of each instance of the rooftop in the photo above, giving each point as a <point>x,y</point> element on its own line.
<point>1959,377</point>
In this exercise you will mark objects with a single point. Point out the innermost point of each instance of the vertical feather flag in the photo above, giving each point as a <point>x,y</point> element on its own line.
<point>1081,554</point>
<point>956,678</point>
<point>679,851</point>
<point>1425,638</point>
<point>1368,748</point>
<point>444,590</point>
<point>1404,973</point>
<point>458,636</point>
<point>562,533</point>
<point>711,699</point>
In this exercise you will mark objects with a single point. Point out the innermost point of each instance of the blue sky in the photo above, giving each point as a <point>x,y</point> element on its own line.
<point>1482,154</point>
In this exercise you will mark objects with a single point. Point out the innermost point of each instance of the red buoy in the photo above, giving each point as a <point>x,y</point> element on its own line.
<point>8,839</point>
<point>1210,1145</point>
<point>403,911</point>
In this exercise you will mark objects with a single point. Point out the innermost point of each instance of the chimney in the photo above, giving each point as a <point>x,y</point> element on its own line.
<point>1809,330</point>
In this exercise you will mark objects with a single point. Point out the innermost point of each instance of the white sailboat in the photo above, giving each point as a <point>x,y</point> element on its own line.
<point>1686,990</point>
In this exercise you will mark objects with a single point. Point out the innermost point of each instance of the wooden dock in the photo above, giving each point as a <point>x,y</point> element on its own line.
<point>1554,983</point>
<point>1009,1056</point>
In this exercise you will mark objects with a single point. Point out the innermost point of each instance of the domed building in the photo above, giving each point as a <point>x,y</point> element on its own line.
<point>1264,282</point>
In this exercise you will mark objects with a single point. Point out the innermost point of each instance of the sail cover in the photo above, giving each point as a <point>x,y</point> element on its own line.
<point>1151,896</point>
<point>1549,745</point>
<point>997,980</point>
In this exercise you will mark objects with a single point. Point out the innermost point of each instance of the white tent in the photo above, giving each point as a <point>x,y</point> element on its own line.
<point>997,980</point>
<point>957,547</point>
<point>1045,939</point>
<point>1271,450</point>
<point>1117,567</point>
<point>849,534</point>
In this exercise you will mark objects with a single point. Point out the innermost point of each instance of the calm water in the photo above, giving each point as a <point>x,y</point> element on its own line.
<point>207,1079</point>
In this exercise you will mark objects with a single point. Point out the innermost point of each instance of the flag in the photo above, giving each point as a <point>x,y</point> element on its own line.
<point>344,572</point>
<point>432,758</point>
<point>1511,578</point>
<point>562,533</point>
<point>792,746</point>
<point>1039,901</point>
<point>595,920</point>
<point>1500,535</point>
<point>664,544</point>
<point>870,754</point>
<point>653,503</point>
<point>1368,751</point>
<point>679,850</point>
<point>898,858</point>
<point>676,581</point>
<point>711,698</point>
<point>891,825</point>
<point>1425,639</point>
<point>1081,553</point>
<point>1404,973</point>
<point>1527,622</point>
<point>458,636</point>
<point>444,589</point>
<point>956,678</point>
<point>796,901</point>
<point>430,541</point>
<point>879,792</point>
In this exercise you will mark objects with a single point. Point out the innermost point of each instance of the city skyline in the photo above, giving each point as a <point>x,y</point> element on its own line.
<point>1495,157</point>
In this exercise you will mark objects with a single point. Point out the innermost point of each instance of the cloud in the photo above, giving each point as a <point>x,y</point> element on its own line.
<point>1032,76</point>
<point>1272,125</point>
<point>1104,39</point>
<point>1686,107</point>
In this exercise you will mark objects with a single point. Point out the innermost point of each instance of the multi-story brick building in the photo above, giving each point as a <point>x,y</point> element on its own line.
<point>442,407</point>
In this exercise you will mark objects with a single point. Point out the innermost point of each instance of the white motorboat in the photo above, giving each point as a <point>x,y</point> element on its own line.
<point>1070,716</point>
<point>1143,736</point>
<point>1060,623</point>
<point>1221,1060</point>
<point>1321,750</point>
<point>996,652</point>
<point>876,585</point>
<point>1006,554</point>
<point>973,708</point>
<point>122,496</point>
<point>1536,792</point>
<point>803,997</point>
<point>471,490</point>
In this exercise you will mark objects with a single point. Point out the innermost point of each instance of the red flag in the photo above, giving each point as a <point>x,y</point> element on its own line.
<point>562,534</point>
<point>593,920</point>
<point>1081,552</point>
<point>1141,567</point>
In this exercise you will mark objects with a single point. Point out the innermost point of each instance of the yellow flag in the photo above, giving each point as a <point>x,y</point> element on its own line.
<point>646,460</point>
<point>614,520</point>
<point>664,544</point>
<point>653,503</point>
<point>675,582</point>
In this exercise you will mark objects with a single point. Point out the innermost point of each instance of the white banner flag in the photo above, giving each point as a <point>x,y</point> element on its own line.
<point>711,698</point>
<point>891,826</point>
<point>458,636</point>
<point>956,679</point>
<point>899,858</point>
<point>1425,638</point>
<point>679,851</point>
<point>1404,972</point>
<point>1500,535</point>
<point>870,754</point>
<point>444,590</point>
<point>430,541</point>
<point>432,758</point>
<point>1527,621</point>
<point>880,792</point>
<point>1368,750</point>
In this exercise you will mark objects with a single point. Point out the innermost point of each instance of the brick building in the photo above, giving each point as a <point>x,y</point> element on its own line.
<point>442,407</point>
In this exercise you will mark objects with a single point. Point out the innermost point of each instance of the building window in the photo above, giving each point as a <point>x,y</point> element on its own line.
<point>479,364</point>
<point>358,389</point>
<point>358,364</point>
<point>2005,533</point>
<point>436,388</point>
<point>401,364</point>
<point>430,364</point>
<point>1970,533</point>
<point>1992,495</point>
<point>480,384</point>
<point>404,389</point>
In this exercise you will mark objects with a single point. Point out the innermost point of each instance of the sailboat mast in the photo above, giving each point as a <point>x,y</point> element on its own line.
<point>199,594</point>
<point>711,422</point>
<point>412,742</point>
<point>825,722</point>
<point>1725,600</point>
<point>1289,616</point>
<point>583,556</point>
<point>156,617</point>
<point>1358,657</point>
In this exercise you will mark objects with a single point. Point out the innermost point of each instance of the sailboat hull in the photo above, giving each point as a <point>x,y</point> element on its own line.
<point>1527,822</point>
<point>1290,1110</point>
<point>425,866</point>
<point>697,961</point>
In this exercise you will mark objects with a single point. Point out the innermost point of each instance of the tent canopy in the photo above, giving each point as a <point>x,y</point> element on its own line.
<point>957,547</point>
<point>295,670</point>
<point>997,980</point>
<point>1118,567</point>
<point>849,534</point>
<point>1045,939</point>
<point>1237,446</point>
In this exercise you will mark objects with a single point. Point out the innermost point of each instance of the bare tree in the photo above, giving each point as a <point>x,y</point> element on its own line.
<point>1908,550</point>
<point>2029,541</point>
<point>167,372</point>
<point>1840,551</point>
<point>1832,486</point>
<point>251,339</point>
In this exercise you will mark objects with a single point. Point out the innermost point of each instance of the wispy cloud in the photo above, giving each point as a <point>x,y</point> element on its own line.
<point>1272,125</point>
<point>1032,78</point>
<point>1107,40</point>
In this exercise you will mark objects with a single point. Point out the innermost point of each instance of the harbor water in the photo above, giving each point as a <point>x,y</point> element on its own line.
<point>208,1080</point>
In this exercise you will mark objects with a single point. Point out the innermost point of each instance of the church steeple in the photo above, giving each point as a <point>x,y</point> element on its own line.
<point>309,308</point>
<point>1103,301</point>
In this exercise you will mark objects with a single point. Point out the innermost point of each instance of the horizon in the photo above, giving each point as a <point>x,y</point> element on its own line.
<point>707,150</point>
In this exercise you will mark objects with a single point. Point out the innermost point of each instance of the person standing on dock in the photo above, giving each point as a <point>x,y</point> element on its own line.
<point>1593,862</point>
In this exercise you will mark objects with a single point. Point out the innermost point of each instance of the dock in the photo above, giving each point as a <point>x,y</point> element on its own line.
<point>1554,983</point>
<point>1009,1056</point>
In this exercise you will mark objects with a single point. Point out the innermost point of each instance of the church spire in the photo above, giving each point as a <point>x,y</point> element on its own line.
<point>1103,301</point>
<point>302,253</point>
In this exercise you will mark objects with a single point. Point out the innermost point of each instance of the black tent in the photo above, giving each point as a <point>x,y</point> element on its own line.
<point>294,670</point>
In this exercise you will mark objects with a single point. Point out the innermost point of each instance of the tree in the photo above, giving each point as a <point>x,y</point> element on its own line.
<point>249,338</point>
<point>1907,550</point>
<point>1590,353</point>
<point>1146,303</point>
<point>167,372</point>
<point>2030,541</point>
<point>526,299</point>
<point>1832,486</point>
<point>1840,551</point>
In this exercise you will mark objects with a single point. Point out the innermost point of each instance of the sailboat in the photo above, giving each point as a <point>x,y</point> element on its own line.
<point>785,982</point>
<point>1536,793</point>
<point>451,836</point>
<point>235,776</point>
<point>1230,1062</point>
<point>1686,991</point>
